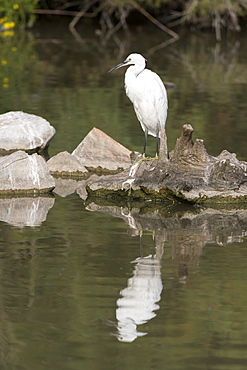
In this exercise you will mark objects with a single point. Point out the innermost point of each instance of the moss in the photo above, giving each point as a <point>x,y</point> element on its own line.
<point>103,171</point>
<point>70,175</point>
<point>164,195</point>
<point>26,192</point>
<point>222,200</point>
<point>13,195</point>
<point>4,152</point>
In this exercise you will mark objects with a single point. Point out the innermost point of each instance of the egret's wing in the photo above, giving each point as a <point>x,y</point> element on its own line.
<point>151,105</point>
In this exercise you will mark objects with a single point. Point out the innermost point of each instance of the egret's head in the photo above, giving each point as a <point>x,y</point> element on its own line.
<point>132,59</point>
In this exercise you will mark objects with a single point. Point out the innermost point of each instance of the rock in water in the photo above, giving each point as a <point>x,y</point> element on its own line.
<point>66,164</point>
<point>23,131</point>
<point>23,173</point>
<point>98,150</point>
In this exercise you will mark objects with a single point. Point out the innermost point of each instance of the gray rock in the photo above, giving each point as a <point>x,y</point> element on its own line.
<point>65,163</point>
<point>23,173</point>
<point>27,211</point>
<point>19,130</point>
<point>98,150</point>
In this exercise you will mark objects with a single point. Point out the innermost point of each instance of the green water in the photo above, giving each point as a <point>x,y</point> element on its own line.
<point>130,286</point>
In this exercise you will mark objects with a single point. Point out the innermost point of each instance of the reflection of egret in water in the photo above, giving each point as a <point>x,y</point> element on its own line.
<point>139,299</point>
<point>187,230</point>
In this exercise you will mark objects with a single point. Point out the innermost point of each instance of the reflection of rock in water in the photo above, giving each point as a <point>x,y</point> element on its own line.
<point>65,187</point>
<point>139,299</point>
<point>25,211</point>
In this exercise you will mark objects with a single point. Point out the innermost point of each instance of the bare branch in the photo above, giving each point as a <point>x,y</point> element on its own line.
<point>155,21</point>
<point>82,14</point>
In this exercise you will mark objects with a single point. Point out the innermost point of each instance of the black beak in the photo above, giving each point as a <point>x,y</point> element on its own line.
<point>118,66</point>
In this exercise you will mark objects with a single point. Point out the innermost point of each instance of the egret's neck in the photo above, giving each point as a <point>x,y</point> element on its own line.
<point>136,69</point>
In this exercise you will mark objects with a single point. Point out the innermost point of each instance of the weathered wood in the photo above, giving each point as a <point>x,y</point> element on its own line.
<point>190,174</point>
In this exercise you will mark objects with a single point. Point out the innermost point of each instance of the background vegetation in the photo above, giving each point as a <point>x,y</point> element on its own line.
<point>115,14</point>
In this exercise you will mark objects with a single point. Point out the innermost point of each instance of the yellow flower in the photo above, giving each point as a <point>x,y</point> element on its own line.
<point>3,19</point>
<point>7,33</point>
<point>14,48</point>
<point>16,6</point>
<point>8,25</point>
<point>5,85</point>
<point>4,62</point>
<point>5,80</point>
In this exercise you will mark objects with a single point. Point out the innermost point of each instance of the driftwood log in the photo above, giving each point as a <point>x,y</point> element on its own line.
<point>190,174</point>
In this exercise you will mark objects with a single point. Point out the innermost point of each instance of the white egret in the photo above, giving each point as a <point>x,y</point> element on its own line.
<point>148,94</point>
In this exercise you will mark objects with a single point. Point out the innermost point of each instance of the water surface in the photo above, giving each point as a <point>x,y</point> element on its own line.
<point>127,286</point>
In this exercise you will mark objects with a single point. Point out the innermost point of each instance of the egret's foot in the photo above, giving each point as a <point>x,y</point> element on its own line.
<point>143,159</point>
<point>136,165</point>
<point>150,158</point>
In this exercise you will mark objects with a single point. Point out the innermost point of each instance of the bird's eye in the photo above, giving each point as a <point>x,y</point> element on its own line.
<point>129,60</point>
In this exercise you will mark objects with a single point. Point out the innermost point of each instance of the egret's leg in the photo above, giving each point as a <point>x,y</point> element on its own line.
<point>141,232</point>
<point>154,244</point>
<point>145,142</point>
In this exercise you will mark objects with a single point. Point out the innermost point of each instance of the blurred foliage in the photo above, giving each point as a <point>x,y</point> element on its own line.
<point>115,14</point>
<point>204,13</point>
<point>14,12</point>
<point>216,14</point>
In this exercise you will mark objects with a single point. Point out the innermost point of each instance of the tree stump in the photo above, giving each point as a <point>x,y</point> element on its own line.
<point>190,174</point>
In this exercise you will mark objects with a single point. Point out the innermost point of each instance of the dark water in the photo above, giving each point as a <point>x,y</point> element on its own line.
<point>127,286</point>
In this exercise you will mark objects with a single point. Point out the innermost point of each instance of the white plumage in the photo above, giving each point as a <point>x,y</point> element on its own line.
<point>147,92</point>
